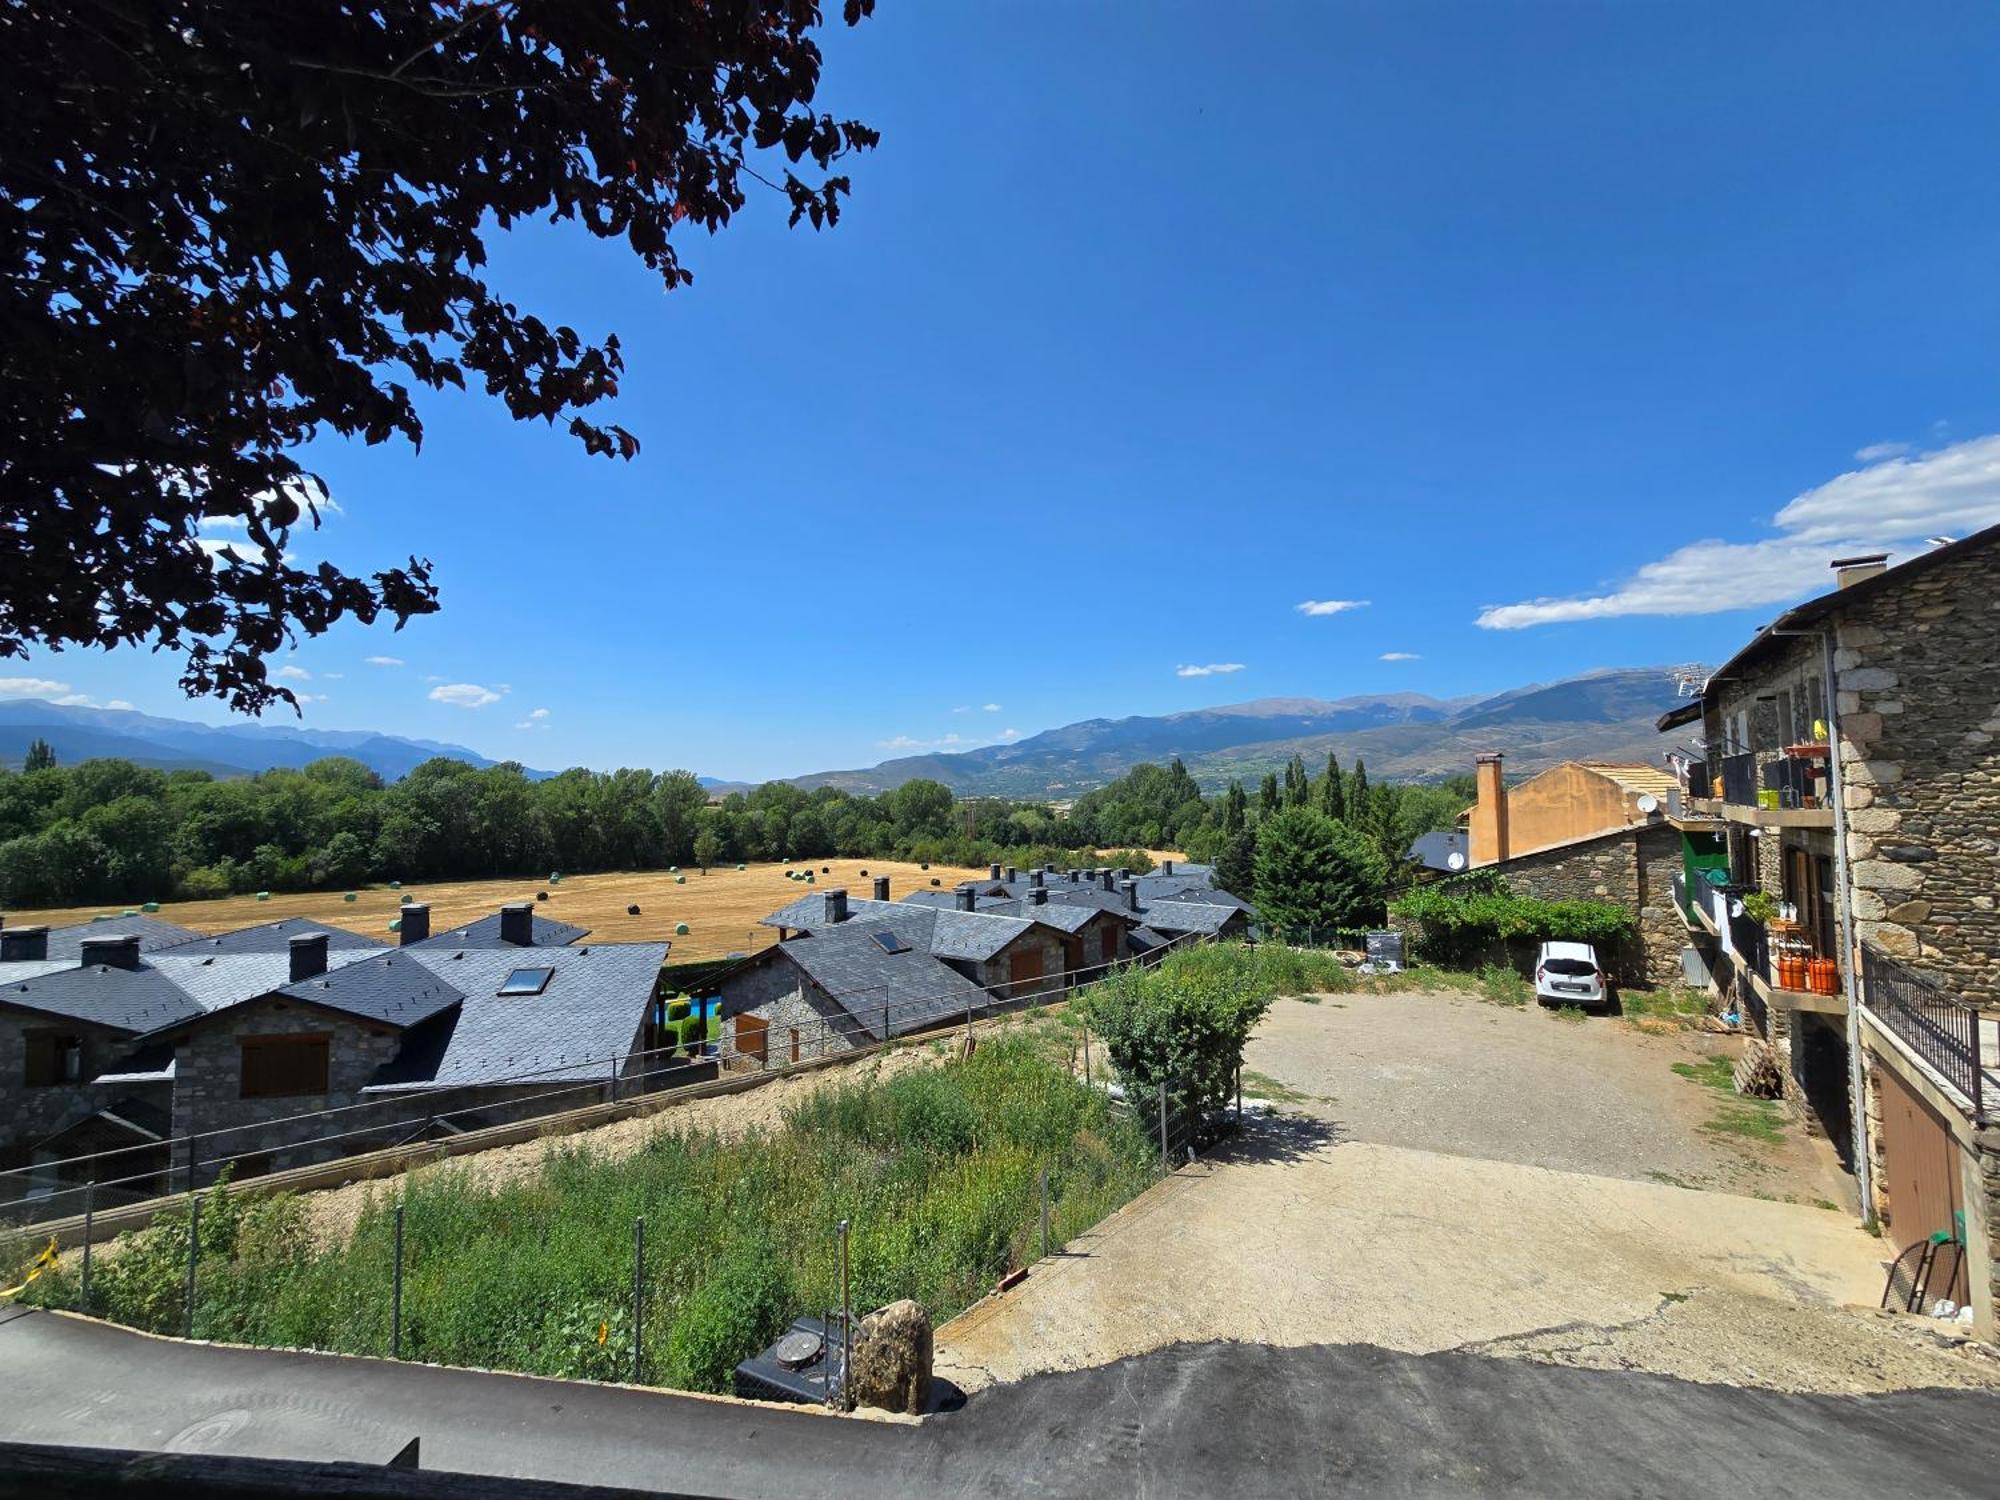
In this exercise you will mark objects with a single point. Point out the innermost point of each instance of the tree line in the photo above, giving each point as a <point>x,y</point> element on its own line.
<point>113,831</point>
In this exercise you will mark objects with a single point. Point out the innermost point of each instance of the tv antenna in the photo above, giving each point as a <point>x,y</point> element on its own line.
<point>1689,679</point>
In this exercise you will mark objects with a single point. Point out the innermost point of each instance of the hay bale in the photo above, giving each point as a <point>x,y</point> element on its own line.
<point>934,879</point>
<point>349,897</point>
<point>680,880</point>
<point>395,885</point>
<point>680,929</point>
<point>739,867</point>
<point>150,906</point>
<point>408,899</point>
<point>864,872</point>
<point>826,869</point>
<point>632,910</point>
<point>395,924</point>
<point>925,865</point>
<point>263,895</point>
<point>541,895</point>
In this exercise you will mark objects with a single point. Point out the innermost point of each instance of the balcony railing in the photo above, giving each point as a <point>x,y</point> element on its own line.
<point>1752,944</point>
<point>1934,1023</point>
<point>1739,779</point>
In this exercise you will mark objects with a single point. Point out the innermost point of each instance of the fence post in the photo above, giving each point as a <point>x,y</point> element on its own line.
<point>614,1080</point>
<point>638,1294</point>
<point>396,1293</point>
<point>846,1325</point>
<point>1239,1094</point>
<point>1045,1213</point>
<point>1164,1168</point>
<point>194,1250</point>
<point>1086,1054</point>
<point>89,1212</point>
<point>885,1023</point>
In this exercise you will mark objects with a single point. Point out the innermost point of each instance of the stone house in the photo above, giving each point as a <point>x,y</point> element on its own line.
<point>1848,757</point>
<point>1578,799</point>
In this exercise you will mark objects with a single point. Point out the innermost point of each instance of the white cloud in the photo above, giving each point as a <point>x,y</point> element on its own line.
<point>332,676</point>
<point>32,687</point>
<point>433,677</point>
<point>1330,606</point>
<point>118,703</point>
<point>963,708</point>
<point>310,697</point>
<point>538,713</point>
<point>464,695</point>
<point>537,719</point>
<point>991,708</point>
<point>1213,669</point>
<point>1874,453</point>
<point>1010,734</point>
<point>1886,507</point>
<point>224,523</point>
<point>383,661</point>
<point>1401,656</point>
<point>77,700</point>
<point>291,673</point>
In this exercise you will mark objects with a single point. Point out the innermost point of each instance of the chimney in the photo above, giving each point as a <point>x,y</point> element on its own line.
<point>517,924</point>
<point>1848,571</point>
<point>836,906</point>
<point>23,944</point>
<point>1038,895</point>
<point>1038,880</point>
<point>1108,879</point>
<point>1074,876</point>
<point>993,872</point>
<point>1131,890</point>
<point>881,887</point>
<point>1124,872</point>
<point>113,950</point>
<point>416,924</point>
<point>1013,874</point>
<point>965,893</point>
<point>308,956</point>
<point>1166,867</point>
<point>1489,817</point>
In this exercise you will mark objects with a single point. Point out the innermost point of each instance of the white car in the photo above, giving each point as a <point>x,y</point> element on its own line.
<point>1569,974</point>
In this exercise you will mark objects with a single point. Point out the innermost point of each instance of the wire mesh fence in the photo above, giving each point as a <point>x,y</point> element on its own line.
<point>72,1192</point>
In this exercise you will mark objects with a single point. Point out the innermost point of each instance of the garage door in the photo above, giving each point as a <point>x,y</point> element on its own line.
<point>1920,1167</point>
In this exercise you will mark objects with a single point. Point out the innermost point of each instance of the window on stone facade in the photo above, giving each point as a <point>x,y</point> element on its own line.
<point>53,1058</point>
<point>279,1067</point>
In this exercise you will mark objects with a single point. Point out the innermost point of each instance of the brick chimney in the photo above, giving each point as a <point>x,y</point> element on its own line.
<point>308,952</point>
<point>965,893</point>
<point>23,944</point>
<point>1166,867</point>
<point>836,906</point>
<point>1038,895</point>
<point>1489,816</point>
<point>1848,571</point>
<point>881,887</point>
<point>114,950</point>
<point>517,924</point>
<point>416,924</point>
<point>993,872</point>
<point>1131,890</point>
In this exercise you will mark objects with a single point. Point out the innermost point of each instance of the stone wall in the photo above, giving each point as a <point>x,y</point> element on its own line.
<point>1918,695</point>
<point>29,1114</point>
<point>995,975</point>
<point>1633,868</point>
<point>208,1078</point>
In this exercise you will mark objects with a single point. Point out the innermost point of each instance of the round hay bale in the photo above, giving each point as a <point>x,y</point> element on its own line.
<point>864,872</point>
<point>925,865</point>
<point>541,895</point>
<point>395,885</point>
<point>150,906</point>
<point>934,879</point>
<point>129,912</point>
<point>395,924</point>
<point>673,869</point>
<point>348,897</point>
<point>739,867</point>
<point>811,879</point>
<point>555,877</point>
<point>632,910</point>
<point>263,895</point>
<point>680,929</point>
<point>408,899</point>
<point>680,880</point>
<point>826,869</point>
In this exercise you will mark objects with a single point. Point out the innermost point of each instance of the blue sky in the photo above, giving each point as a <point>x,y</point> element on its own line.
<point>1180,318</point>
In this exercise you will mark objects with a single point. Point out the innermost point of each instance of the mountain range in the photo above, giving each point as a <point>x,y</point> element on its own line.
<point>1606,715</point>
<point>1603,715</point>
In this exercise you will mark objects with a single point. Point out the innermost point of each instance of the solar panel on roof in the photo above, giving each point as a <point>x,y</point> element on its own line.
<point>890,943</point>
<point>526,982</point>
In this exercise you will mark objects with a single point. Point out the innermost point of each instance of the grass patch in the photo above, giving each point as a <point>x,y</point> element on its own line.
<point>1679,1005</point>
<point>938,1169</point>
<point>1570,1013</point>
<point>1758,1121</point>
<point>1264,1086</point>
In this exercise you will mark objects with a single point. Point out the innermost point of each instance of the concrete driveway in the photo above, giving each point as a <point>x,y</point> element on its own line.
<point>1312,1230</point>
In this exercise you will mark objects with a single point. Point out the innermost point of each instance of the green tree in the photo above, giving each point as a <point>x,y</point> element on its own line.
<point>1235,809</point>
<point>41,756</point>
<point>1268,800</point>
<point>1236,864</point>
<point>707,846</point>
<point>678,800</point>
<point>1314,873</point>
<point>1332,794</point>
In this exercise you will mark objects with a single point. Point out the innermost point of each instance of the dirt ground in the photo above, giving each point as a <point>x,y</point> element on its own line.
<point>721,908</point>
<point>1446,1174</point>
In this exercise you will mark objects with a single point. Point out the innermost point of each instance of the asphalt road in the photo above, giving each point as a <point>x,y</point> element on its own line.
<point>1208,1419</point>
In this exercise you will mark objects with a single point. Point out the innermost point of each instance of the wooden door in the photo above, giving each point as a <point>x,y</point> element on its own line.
<point>751,1036</point>
<point>1920,1168</point>
<point>1109,940</point>
<point>1024,971</point>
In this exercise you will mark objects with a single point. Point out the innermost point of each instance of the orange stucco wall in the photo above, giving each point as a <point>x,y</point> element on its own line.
<point>1565,802</point>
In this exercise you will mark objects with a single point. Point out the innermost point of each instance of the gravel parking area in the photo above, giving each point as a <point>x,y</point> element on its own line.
<point>1453,1073</point>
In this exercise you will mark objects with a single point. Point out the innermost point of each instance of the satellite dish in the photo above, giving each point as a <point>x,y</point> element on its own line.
<point>1455,860</point>
<point>1648,803</point>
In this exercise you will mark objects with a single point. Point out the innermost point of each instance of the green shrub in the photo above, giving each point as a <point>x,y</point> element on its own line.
<point>1184,1022</point>
<point>1460,921</point>
<point>743,1304</point>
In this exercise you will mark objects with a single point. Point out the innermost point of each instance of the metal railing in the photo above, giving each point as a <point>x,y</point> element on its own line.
<point>1750,941</point>
<point>1739,779</point>
<point>1934,1023</point>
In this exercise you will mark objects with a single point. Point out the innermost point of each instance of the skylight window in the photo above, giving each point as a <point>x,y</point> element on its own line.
<point>890,943</point>
<point>526,982</point>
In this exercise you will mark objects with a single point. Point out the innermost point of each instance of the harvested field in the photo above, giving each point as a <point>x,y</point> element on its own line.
<point>721,908</point>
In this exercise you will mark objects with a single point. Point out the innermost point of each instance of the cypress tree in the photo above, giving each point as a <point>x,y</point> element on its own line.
<point>1267,795</point>
<point>1332,795</point>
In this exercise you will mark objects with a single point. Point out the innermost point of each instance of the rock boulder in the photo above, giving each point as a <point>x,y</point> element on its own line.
<point>891,1366</point>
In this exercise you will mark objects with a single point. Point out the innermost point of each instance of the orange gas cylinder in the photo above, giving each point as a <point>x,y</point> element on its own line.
<point>1823,976</point>
<point>1791,971</point>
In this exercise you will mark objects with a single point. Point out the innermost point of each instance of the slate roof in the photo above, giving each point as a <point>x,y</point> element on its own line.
<point>130,1000</point>
<point>945,932</point>
<point>1173,917</point>
<point>590,1010</point>
<point>973,935</point>
<point>276,937</point>
<point>391,988</point>
<point>1065,916</point>
<point>66,942</point>
<point>485,933</point>
<point>919,990</point>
